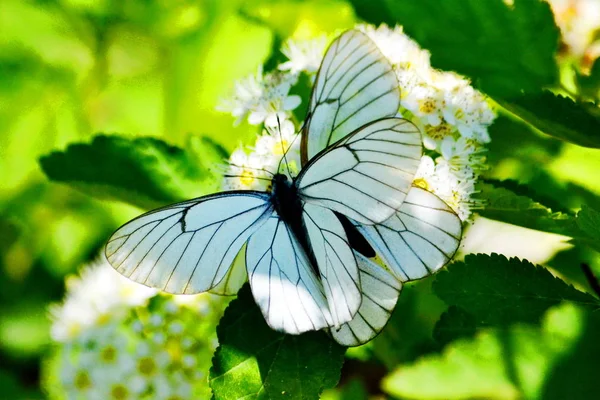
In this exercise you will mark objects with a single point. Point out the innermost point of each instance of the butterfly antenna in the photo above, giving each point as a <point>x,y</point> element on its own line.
<point>284,150</point>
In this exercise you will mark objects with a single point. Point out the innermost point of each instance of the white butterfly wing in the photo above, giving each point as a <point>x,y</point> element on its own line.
<point>366,175</point>
<point>380,291</point>
<point>283,282</point>
<point>235,277</point>
<point>355,85</point>
<point>336,262</point>
<point>419,239</point>
<point>188,247</point>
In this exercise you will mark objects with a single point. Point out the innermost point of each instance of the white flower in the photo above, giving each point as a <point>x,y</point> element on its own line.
<point>462,152</point>
<point>262,98</point>
<point>467,110</point>
<point>96,296</point>
<point>303,55</point>
<point>246,172</point>
<point>277,150</point>
<point>454,187</point>
<point>400,49</point>
<point>579,22</point>
<point>279,147</point>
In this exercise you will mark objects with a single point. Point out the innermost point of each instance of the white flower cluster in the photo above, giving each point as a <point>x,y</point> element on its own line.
<point>263,98</point>
<point>452,115</point>
<point>119,340</point>
<point>579,23</point>
<point>277,150</point>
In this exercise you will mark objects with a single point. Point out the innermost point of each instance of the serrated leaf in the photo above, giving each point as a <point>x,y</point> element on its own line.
<point>503,363</point>
<point>501,291</point>
<point>503,204</point>
<point>253,361</point>
<point>454,323</point>
<point>524,190</point>
<point>503,48</point>
<point>558,116</point>
<point>146,172</point>
<point>588,220</point>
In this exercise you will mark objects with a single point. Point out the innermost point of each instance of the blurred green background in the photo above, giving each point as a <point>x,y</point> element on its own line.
<point>72,68</point>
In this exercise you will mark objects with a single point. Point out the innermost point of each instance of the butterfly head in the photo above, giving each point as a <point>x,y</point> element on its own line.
<point>281,183</point>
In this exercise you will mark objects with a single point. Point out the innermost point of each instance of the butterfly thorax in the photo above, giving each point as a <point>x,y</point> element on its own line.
<point>289,208</point>
<point>286,201</point>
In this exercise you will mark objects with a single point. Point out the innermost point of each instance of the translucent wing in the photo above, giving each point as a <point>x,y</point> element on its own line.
<point>419,239</point>
<point>355,85</point>
<point>283,282</point>
<point>366,175</point>
<point>235,277</point>
<point>188,247</point>
<point>336,262</point>
<point>380,291</point>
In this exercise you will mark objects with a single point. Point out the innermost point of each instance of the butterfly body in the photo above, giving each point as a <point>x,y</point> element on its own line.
<point>287,204</point>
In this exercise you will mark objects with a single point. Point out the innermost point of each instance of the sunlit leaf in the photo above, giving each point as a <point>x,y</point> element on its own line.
<point>503,204</point>
<point>144,171</point>
<point>499,291</point>
<point>253,361</point>
<point>559,116</point>
<point>505,47</point>
<point>521,361</point>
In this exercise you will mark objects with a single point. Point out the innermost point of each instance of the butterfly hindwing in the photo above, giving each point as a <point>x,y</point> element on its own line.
<point>419,239</point>
<point>337,265</point>
<point>366,175</point>
<point>283,282</point>
<point>355,85</point>
<point>188,247</point>
<point>380,291</point>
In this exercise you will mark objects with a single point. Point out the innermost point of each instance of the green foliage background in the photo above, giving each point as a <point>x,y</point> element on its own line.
<point>90,90</point>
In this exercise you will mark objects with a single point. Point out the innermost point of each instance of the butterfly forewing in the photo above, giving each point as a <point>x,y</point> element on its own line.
<point>354,86</point>
<point>283,282</point>
<point>419,239</point>
<point>366,175</point>
<point>188,247</point>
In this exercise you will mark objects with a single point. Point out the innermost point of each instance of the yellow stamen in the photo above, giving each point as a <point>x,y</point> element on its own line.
<point>247,177</point>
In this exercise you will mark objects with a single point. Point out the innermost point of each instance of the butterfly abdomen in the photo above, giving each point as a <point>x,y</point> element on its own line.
<point>289,208</point>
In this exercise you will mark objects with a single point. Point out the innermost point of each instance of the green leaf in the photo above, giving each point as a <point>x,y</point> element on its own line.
<point>503,48</point>
<point>407,334</point>
<point>503,204</point>
<point>500,291</point>
<point>575,375</point>
<point>534,150</point>
<point>506,363</point>
<point>253,361</point>
<point>454,323</point>
<point>146,172</point>
<point>589,85</point>
<point>558,116</point>
<point>588,220</point>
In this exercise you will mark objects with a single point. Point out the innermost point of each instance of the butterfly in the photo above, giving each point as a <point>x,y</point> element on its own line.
<point>306,246</point>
